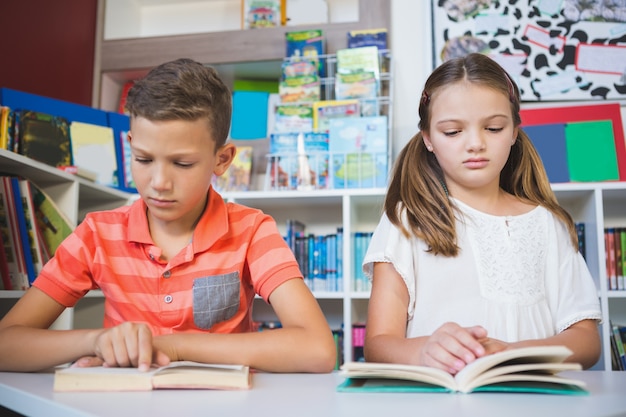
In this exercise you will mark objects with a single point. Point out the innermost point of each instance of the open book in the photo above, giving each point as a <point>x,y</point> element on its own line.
<point>176,375</point>
<point>530,369</point>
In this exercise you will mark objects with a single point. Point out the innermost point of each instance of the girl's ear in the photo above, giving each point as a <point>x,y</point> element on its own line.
<point>427,142</point>
<point>224,156</point>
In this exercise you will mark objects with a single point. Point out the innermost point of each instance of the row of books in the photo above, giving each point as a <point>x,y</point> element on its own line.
<point>618,346</point>
<point>31,228</point>
<point>78,139</point>
<point>615,250</point>
<point>320,256</point>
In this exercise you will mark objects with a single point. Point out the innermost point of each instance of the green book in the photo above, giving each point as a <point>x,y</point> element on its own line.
<point>530,370</point>
<point>591,154</point>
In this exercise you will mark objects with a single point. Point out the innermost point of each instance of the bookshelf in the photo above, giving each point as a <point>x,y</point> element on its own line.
<point>76,197</point>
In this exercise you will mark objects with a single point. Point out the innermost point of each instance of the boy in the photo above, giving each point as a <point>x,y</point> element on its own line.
<point>179,268</point>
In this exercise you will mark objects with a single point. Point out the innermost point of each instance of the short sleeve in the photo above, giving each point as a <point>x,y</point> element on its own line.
<point>388,244</point>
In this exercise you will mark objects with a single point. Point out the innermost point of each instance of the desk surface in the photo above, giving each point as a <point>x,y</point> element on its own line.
<point>291,395</point>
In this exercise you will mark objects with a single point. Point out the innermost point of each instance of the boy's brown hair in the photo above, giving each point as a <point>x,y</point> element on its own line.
<point>183,89</point>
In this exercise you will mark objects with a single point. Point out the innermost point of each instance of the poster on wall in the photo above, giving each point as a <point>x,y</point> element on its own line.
<point>554,49</point>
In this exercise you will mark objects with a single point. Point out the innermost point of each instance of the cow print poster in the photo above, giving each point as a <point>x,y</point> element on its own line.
<point>555,50</point>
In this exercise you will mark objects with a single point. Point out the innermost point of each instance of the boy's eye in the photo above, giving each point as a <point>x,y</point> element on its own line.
<point>184,164</point>
<point>142,160</point>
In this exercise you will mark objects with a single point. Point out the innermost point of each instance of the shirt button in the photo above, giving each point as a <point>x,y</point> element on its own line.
<point>168,299</point>
<point>167,274</point>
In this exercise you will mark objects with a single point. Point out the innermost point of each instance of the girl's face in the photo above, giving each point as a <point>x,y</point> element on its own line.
<point>172,166</point>
<point>471,133</point>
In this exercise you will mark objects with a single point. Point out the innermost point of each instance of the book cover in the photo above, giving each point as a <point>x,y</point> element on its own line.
<point>355,60</point>
<point>531,370</point>
<point>591,163</point>
<point>551,144</point>
<point>52,222</point>
<point>297,161</point>
<point>93,149</point>
<point>368,37</point>
<point>359,152</point>
<point>32,231</point>
<point>5,276</point>
<point>309,45</point>
<point>325,111</point>
<point>291,118</point>
<point>176,375</point>
<point>249,118</point>
<point>11,267</point>
<point>258,14</point>
<point>621,351</point>
<point>299,83</point>
<point>20,228</point>
<point>44,138</point>
<point>5,112</point>
<point>237,176</point>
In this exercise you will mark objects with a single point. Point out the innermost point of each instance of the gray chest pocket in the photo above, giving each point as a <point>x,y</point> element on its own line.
<point>215,299</point>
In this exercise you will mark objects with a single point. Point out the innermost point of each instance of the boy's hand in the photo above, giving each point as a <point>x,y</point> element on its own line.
<point>125,345</point>
<point>451,347</point>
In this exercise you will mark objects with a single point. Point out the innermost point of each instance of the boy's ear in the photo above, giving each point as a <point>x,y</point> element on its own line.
<point>224,156</point>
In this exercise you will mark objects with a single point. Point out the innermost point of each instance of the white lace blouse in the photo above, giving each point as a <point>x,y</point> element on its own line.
<point>518,276</point>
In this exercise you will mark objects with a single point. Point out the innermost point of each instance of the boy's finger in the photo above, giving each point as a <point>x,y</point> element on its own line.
<point>144,344</point>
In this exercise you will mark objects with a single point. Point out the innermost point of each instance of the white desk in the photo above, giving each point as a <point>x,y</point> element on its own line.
<point>301,395</point>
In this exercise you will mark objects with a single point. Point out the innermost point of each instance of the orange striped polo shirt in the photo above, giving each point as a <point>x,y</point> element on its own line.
<point>236,252</point>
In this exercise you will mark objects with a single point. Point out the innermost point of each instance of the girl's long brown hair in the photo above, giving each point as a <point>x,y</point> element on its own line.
<point>417,186</point>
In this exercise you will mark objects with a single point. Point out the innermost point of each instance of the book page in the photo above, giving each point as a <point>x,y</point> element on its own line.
<point>399,371</point>
<point>534,354</point>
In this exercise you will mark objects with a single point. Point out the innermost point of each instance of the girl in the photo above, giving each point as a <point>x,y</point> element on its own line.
<point>473,253</point>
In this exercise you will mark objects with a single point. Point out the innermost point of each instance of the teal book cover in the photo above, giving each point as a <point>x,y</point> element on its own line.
<point>359,151</point>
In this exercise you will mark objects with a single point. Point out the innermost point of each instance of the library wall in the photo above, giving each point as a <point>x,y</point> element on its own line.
<point>48,47</point>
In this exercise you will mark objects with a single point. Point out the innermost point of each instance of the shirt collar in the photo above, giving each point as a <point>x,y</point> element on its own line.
<point>212,225</point>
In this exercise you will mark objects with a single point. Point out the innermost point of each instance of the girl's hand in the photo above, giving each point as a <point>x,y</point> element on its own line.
<point>126,345</point>
<point>451,347</point>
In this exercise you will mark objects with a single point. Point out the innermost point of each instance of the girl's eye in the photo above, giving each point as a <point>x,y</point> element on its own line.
<point>142,160</point>
<point>451,132</point>
<point>495,129</point>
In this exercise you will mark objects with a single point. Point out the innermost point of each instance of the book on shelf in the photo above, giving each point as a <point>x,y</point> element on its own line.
<point>359,150</point>
<point>5,116</point>
<point>5,275</point>
<point>289,118</point>
<point>237,176</point>
<point>176,375</point>
<point>327,110</point>
<point>299,82</point>
<point>43,137</point>
<point>18,228</point>
<point>532,369</point>
<point>10,243</point>
<point>258,14</point>
<point>297,161</point>
<point>618,350</point>
<point>33,232</point>
<point>93,149</point>
<point>53,224</point>
<point>367,37</point>
<point>308,45</point>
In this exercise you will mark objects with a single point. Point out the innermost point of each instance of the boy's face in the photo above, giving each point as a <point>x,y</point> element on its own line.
<point>172,166</point>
